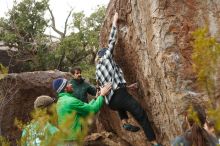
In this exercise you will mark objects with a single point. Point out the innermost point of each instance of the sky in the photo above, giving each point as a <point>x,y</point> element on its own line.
<point>61,8</point>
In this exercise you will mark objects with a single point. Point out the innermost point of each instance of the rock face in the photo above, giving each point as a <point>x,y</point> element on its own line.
<point>105,139</point>
<point>153,48</point>
<point>17,95</point>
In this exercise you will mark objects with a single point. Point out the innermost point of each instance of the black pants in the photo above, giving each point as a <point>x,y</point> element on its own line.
<point>122,102</point>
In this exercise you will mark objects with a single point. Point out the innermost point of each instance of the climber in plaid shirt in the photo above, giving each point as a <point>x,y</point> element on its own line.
<point>119,99</point>
<point>107,70</point>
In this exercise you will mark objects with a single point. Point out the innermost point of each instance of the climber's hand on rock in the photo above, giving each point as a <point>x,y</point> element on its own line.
<point>115,19</point>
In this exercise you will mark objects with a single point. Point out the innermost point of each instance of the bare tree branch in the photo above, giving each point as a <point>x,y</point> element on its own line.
<point>25,60</point>
<point>78,59</point>
<point>59,65</point>
<point>54,24</point>
<point>67,18</point>
<point>62,34</point>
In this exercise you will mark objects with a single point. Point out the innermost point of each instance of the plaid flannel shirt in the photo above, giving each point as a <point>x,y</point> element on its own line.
<point>107,70</point>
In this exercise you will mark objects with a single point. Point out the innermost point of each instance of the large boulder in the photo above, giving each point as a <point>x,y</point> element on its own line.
<point>17,95</point>
<point>154,48</point>
<point>105,139</point>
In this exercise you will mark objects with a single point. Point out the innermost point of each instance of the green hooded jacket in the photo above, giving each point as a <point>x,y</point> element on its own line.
<point>82,88</point>
<point>71,110</point>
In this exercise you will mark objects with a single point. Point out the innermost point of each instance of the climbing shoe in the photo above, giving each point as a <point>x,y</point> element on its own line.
<point>131,128</point>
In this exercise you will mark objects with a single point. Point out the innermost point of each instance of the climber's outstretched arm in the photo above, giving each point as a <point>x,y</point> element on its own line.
<point>112,37</point>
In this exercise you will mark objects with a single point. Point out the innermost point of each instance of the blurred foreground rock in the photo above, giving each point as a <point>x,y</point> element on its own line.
<point>17,95</point>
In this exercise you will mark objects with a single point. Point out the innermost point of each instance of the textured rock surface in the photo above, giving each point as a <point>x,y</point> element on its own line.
<point>17,95</point>
<point>105,139</point>
<point>153,48</point>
